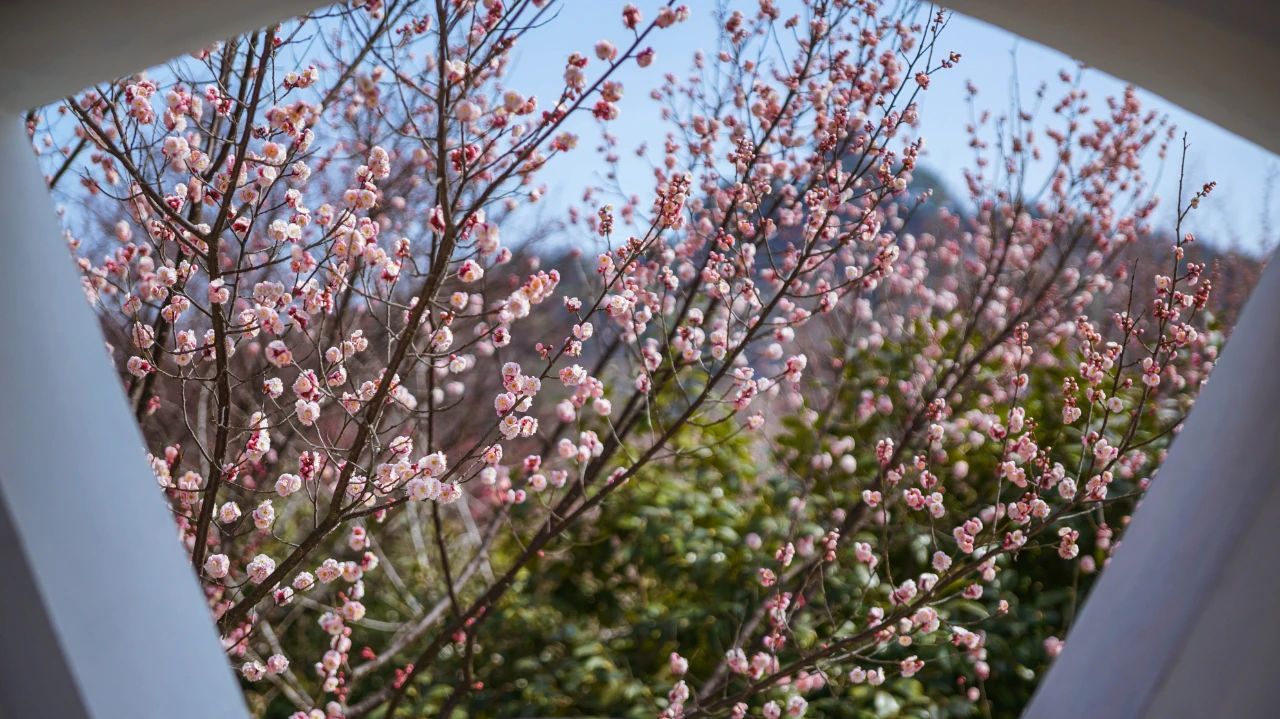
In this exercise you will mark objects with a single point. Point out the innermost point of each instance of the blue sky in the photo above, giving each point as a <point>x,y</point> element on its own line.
<point>1243,213</point>
<point>1246,200</point>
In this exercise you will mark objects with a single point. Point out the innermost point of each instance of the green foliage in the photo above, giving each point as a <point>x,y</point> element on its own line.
<point>666,566</point>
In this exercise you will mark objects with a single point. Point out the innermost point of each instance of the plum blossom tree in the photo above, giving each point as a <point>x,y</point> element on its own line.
<point>384,426</point>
